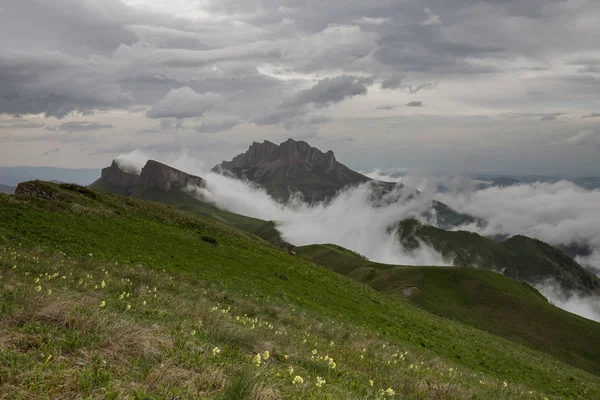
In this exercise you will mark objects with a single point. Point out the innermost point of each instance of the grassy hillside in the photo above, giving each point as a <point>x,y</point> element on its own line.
<point>138,299</point>
<point>184,201</point>
<point>519,257</point>
<point>481,298</point>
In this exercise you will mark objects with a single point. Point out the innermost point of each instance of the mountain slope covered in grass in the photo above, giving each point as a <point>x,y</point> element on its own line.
<point>519,257</point>
<point>109,296</point>
<point>478,297</point>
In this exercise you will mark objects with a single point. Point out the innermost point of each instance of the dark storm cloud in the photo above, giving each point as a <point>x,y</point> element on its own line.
<point>324,93</point>
<point>331,90</point>
<point>415,104</point>
<point>55,85</point>
<point>253,60</point>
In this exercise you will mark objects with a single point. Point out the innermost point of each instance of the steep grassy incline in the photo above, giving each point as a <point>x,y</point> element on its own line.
<point>481,298</point>
<point>112,250</point>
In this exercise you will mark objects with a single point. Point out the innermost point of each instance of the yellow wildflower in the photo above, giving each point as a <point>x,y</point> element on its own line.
<point>298,380</point>
<point>257,360</point>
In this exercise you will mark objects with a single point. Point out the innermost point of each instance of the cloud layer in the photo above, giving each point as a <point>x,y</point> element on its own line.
<point>560,213</point>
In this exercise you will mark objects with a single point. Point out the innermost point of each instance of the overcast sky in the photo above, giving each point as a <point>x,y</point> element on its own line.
<point>507,86</point>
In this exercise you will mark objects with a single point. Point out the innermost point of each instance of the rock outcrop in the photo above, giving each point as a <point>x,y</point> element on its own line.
<point>153,175</point>
<point>292,167</point>
<point>269,155</point>
<point>119,177</point>
<point>163,177</point>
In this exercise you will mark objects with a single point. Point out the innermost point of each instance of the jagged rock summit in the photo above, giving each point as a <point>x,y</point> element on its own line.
<point>153,175</point>
<point>291,167</point>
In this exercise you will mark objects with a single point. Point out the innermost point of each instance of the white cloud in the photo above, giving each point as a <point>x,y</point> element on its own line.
<point>372,21</point>
<point>432,19</point>
<point>388,175</point>
<point>585,137</point>
<point>184,103</point>
<point>560,213</point>
<point>588,307</point>
<point>132,162</point>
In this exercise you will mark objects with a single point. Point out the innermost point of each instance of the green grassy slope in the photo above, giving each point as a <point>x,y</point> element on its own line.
<point>481,298</point>
<point>133,241</point>
<point>519,257</point>
<point>184,201</point>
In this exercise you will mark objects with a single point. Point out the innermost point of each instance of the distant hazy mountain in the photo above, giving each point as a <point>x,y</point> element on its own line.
<point>7,189</point>
<point>589,182</point>
<point>13,175</point>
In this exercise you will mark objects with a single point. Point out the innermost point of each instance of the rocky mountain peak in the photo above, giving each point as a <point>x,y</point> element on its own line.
<point>119,177</point>
<point>289,152</point>
<point>292,167</point>
<point>161,176</point>
<point>153,175</point>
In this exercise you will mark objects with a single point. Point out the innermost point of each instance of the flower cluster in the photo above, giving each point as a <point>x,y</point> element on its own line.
<point>320,382</point>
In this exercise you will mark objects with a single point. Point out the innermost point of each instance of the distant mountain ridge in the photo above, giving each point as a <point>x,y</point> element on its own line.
<point>290,167</point>
<point>7,189</point>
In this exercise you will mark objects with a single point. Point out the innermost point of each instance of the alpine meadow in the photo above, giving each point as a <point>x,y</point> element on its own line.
<point>273,199</point>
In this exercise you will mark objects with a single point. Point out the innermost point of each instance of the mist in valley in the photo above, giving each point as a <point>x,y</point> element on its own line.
<point>560,214</point>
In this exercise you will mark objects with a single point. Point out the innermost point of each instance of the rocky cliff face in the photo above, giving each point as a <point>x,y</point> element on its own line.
<point>268,154</point>
<point>163,177</point>
<point>118,177</point>
<point>291,167</point>
<point>153,175</point>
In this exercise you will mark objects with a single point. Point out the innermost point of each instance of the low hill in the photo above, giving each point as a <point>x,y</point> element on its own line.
<point>108,296</point>
<point>518,257</point>
<point>480,298</point>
